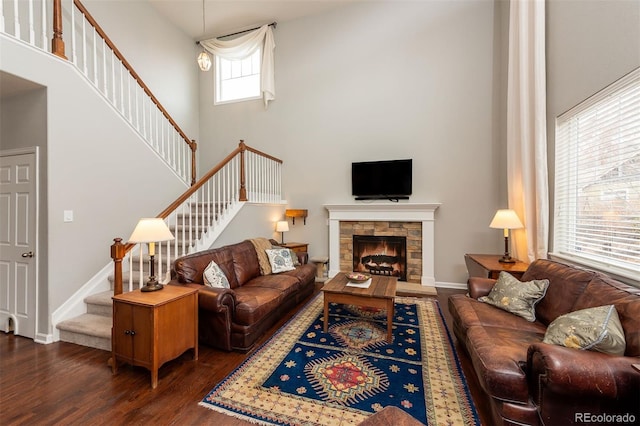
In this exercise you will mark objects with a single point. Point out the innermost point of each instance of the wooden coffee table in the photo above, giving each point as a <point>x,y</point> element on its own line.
<point>379,294</point>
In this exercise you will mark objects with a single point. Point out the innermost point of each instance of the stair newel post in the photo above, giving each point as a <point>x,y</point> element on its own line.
<point>243,188</point>
<point>194,146</point>
<point>117,254</point>
<point>57,43</point>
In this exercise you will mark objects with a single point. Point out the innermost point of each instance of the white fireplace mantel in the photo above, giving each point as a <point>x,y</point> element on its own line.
<point>401,212</point>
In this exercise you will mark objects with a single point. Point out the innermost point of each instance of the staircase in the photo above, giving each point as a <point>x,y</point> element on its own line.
<point>93,328</point>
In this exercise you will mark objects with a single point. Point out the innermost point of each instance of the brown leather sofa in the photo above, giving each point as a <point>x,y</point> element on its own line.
<point>235,318</point>
<point>530,382</point>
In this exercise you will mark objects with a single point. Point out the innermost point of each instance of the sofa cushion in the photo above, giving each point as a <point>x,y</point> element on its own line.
<point>596,329</point>
<point>305,273</point>
<point>283,283</point>
<point>254,303</point>
<point>603,290</point>
<point>190,268</point>
<point>517,297</point>
<point>214,277</point>
<point>566,284</point>
<point>499,357</point>
<point>245,262</point>
<point>468,312</point>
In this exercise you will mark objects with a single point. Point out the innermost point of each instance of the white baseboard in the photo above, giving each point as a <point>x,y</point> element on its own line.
<point>458,286</point>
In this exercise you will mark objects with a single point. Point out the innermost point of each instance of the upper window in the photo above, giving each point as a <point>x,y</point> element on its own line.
<point>597,179</point>
<point>237,80</point>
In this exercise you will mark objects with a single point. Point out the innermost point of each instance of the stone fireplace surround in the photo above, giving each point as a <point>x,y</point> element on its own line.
<point>423,214</point>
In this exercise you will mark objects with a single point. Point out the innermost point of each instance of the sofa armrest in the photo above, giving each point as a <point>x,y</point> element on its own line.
<point>479,287</point>
<point>303,257</point>
<point>211,299</point>
<point>557,370</point>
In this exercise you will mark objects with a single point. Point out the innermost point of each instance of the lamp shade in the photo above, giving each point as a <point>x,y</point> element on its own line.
<point>506,219</point>
<point>151,230</point>
<point>282,226</point>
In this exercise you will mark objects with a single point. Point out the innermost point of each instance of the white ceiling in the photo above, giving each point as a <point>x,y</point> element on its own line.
<point>227,16</point>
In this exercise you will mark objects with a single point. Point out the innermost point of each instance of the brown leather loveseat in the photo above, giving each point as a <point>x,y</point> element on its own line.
<point>530,382</point>
<point>235,318</point>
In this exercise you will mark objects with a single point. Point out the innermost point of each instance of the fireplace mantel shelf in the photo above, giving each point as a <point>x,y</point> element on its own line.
<point>397,212</point>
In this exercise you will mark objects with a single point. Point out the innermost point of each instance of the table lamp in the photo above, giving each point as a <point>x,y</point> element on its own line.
<point>506,219</point>
<point>151,231</point>
<point>282,226</point>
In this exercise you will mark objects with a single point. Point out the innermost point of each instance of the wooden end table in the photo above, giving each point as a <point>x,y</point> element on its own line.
<point>488,266</point>
<point>297,247</point>
<point>380,294</point>
<point>152,328</point>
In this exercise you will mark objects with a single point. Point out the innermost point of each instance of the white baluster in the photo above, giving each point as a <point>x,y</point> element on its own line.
<point>32,33</point>
<point>74,54</point>
<point>113,79</point>
<point>104,69</point>
<point>84,47</point>
<point>16,19</point>
<point>1,16</point>
<point>95,57</point>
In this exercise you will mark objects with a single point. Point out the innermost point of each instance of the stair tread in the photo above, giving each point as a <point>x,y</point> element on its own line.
<point>89,324</point>
<point>104,298</point>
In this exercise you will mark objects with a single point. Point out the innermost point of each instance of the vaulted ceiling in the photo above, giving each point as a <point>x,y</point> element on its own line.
<point>227,16</point>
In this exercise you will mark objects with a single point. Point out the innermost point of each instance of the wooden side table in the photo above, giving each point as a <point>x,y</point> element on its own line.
<point>297,247</point>
<point>152,328</point>
<point>488,266</point>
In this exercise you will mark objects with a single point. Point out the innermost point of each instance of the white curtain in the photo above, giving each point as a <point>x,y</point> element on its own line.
<point>243,46</point>
<point>528,190</point>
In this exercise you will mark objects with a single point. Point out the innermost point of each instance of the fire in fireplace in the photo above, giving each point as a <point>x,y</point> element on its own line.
<point>380,255</point>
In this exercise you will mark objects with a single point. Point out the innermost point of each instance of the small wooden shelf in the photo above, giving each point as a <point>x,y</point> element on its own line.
<point>293,213</point>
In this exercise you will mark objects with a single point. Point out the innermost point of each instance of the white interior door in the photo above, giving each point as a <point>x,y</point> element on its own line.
<point>18,214</point>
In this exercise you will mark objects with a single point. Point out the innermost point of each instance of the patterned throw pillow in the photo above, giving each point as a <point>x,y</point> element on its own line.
<point>214,277</point>
<point>519,298</point>
<point>280,260</point>
<point>598,329</point>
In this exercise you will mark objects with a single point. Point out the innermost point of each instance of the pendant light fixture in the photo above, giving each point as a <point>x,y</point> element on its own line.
<point>204,61</point>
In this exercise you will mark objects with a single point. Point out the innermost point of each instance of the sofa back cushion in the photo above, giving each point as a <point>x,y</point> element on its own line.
<point>190,268</point>
<point>604,290</point>
<point>566,284</point>
<point>245,262</point>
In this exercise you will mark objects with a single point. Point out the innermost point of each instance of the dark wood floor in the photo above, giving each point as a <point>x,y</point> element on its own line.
<point>63,383</point>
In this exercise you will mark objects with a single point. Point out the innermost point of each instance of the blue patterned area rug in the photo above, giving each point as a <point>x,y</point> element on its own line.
<point>303,376</point>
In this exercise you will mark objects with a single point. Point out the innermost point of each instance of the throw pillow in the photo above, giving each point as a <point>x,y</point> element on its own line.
<point>519,298</point>
<point>294,256</point>
<point>214,277</point>
<point>598,329</point>
<point>280,260</point>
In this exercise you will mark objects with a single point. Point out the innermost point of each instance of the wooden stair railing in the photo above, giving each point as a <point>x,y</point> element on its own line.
<point>223,186</point>
<point>95,55</point>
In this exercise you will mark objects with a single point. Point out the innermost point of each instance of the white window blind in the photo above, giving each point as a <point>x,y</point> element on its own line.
<point>597,179</point>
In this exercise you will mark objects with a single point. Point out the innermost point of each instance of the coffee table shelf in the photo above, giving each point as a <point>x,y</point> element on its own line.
<point>380,294</point>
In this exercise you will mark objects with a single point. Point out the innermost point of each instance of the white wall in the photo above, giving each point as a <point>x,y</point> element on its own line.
<point>382,80</point>
<point>590,44</point>
<point>161,54</point>
<point>96,166</point>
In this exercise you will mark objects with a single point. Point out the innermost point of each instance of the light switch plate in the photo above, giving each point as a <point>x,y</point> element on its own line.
<point>68,216</point>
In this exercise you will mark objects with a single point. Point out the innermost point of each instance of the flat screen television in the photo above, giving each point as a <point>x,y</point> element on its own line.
<point>378,180</point>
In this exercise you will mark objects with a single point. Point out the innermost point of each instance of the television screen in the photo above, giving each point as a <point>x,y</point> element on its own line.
<point>381,179</point>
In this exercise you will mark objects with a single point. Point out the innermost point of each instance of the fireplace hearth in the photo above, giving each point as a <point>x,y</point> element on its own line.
<point>380,255</point>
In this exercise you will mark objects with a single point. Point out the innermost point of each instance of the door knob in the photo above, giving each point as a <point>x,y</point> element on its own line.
<point>30,254</point>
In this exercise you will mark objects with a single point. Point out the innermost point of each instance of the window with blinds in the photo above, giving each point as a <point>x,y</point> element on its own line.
<point>597,180</point>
